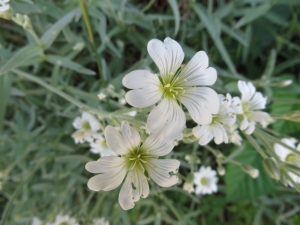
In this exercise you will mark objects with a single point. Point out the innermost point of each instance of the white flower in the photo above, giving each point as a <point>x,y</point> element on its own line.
<point>138,162</point>
<point>65,220</point>
<point>175,84</point>
<point>101,221</point>
<point>100,147</point>
<point>216,129</point>
<point>205,181</point>
<point>285,154</point>
<point>86,126</point>
<point>4,6</point>
<point>252,103</point>
<point>288,156</point>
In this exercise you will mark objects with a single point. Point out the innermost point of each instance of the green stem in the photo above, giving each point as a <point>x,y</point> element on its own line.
<point>55,90</point>
<point>91,37</point>
<point>255,145</point>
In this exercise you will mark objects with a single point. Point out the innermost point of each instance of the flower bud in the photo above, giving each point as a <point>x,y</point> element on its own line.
<point>189,183</point>
<point>254,173</point>
<point>221,170</point>
<point>27,23</point>
<point>191,159</point>
<point>272,169</point>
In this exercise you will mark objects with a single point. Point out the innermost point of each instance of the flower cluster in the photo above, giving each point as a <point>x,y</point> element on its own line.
<point>172,95</point>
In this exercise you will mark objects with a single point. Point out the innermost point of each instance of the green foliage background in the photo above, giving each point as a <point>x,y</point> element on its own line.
<point>43,170</point>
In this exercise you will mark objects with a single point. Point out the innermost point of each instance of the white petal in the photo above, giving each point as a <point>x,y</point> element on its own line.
<point>167,117</point>
<point>108,164</point>
<point>201,103</point>
<point>126,195</point>
<point>131,137</point>
<point>140,79</point>
<point>77,122</point>
<point>176,54</point>
<point>250,128</point>
<point>259,116</point>
<point>142,98</point>
<point>219,133</point>
<point>157,145</point>
<point>258,101</point>
<point>196,72</point>
<point>159,169</point>
<point>115,141</point>
<point>167,56</point>
<point>109,180</point>
<point>203,133</point>
<point>244,124</point>
<point>247,89</point>
<point>140,182</point>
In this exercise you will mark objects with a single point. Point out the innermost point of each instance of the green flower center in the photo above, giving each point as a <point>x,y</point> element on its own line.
<point>204,181</point>
<point>293,158</point>
<point>137,158</point>
<point>86,126</point>
<point>171,85</point>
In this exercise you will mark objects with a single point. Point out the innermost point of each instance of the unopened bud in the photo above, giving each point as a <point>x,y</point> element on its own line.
<point>122,101</point>
<point>272,168</point>
<point>221,170</point>
<point>285,83</point>
<point>27,23</point>
<point>191,159</point>
<point>189,183</point>
<point>254,173</point>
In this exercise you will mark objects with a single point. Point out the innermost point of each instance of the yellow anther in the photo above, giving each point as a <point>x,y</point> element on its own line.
<point>185,80</point>
<point>172,73</point>
<point>167,85</point>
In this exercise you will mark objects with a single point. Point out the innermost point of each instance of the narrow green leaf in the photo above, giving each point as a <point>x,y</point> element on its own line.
<point>236,34</point>
<point>50,35</point>
<point>253,14</point>
<point>269,70</point>
<point>214,33</point>
<point>5,86</point>
<point>67,63</point>
<point>174,7</point>
<point>21,58</point>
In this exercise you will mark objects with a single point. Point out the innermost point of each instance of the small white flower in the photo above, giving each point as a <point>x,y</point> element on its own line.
<point>65,220</point>
<point>188,186</point>
<point>101,221</point>
<point>4,6</point>
<point>205,181</point>
<point>288,156</point>
<point>216,128</point>
<point>252,103</point>
<point>175,84</point>
<point>86,126</point>
<point>138,162</point>
<point>102,96</point>
<point>100,147</point>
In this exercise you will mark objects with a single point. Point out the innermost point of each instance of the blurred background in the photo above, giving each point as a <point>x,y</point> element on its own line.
<point>42,170</point>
